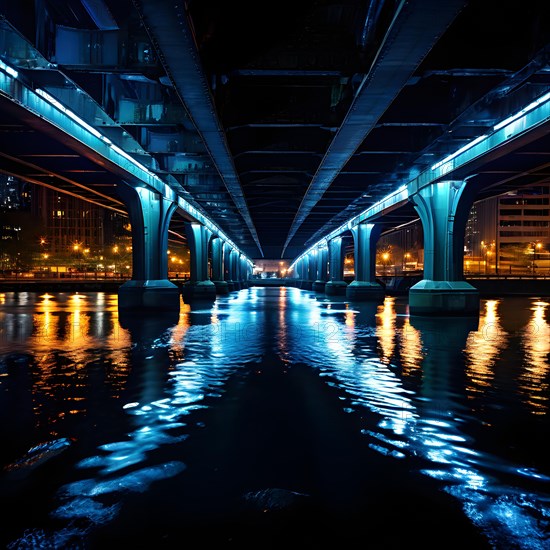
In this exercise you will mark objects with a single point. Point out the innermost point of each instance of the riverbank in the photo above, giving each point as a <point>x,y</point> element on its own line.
<point>60,285</point>
<point>488,286</point>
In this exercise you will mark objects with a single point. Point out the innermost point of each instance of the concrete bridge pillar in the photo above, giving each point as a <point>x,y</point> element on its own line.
<point>365,286</point>
<point>234,270</point>
<point>227,273</point>
<point>308,271</point>
<point>336,284</point>
<point>321,271</point>
<point>218,266</point>
<point>243,270</point>
<point>298,268</point>
<point>199,285</point>
<point>443,208</point>
<point>249,272</point>
<point>302,269</point>
<point>150,215</point>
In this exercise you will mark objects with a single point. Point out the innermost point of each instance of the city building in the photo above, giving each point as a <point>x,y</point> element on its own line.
<point>15,197</point>
<point>69,221</point>
<point>14,193</point>
<point>510,232</point>
<point>43,228</point>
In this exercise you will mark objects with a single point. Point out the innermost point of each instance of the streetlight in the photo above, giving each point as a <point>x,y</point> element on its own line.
<point>43,252</point>
<point>482,254</point>
<point>76,249</point>
<point>86,251</point>
<point>45,256</point>
<point>487,251</point>
<point>115,255</point>
<point>385,258</point>
<point>406,258</point>
<point>536,246</point>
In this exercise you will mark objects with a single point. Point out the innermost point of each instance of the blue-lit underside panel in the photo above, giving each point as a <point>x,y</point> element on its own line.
<point>46,107</point>
<point>515,127</point>
<point>170,30</point>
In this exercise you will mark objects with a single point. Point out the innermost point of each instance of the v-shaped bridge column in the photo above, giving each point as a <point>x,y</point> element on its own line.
<point>443,208</point>
<point>199,285</point>
<point>321,271</point>
<point>150,215</point>
<point>336,284</point>
<point>365,286</point>
<point>218,246</point>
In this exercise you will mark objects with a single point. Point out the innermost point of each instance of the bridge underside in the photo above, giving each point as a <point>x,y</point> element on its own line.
<point>274,123</point>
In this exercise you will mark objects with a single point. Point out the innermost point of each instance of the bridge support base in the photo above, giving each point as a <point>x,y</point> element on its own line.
<point>443,298</point>
<point>365,291</point>
<point>222,287</point>
<point>336,288</point>
<point>230,286</point>
<point>161,295</point>
<point>205,290</point>
<point>319,286</point>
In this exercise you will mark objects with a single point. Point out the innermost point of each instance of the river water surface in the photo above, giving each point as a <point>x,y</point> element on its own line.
<point>273,416</point>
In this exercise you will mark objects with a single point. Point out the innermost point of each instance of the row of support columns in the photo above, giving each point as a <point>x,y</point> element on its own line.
<point>443,209</point>
<point>230,269</point>
<point>150,215</point>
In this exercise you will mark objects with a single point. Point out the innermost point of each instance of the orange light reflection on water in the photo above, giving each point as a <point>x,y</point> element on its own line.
<point>483,348</point>
<point>385,329</point>
<point>533,380</point>
<point>410,348</point>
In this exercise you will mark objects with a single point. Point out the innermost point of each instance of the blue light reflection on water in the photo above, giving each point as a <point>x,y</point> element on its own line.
<point>437,391</point>
<point>430,421</point>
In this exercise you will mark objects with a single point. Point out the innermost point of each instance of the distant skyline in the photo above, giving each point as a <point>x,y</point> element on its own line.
<point>488,221</point>
<point>15,194</point>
